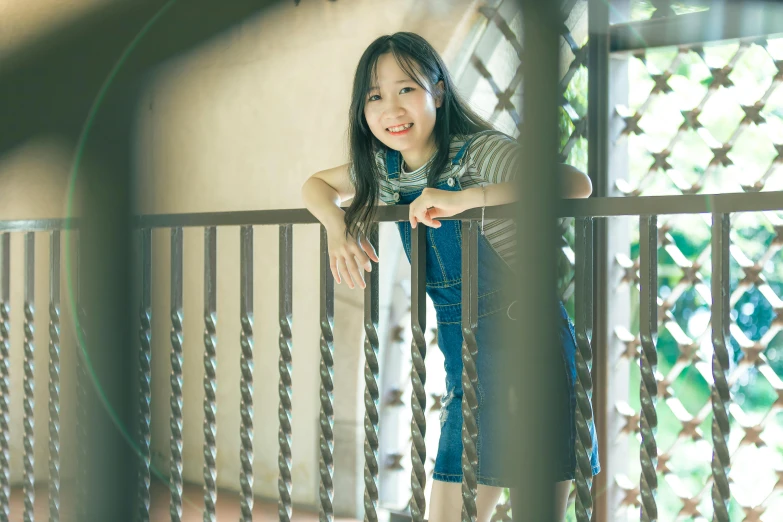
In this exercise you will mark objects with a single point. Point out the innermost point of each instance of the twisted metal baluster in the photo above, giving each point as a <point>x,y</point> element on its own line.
<point>648,326</point>
<point>246,367</point>
<point>326,461</point>
<point>721,491</point>
<point>210,374</point>
<point>371,391</point>
<point>5,397</point>
<point>469,370</point>
<point>82,433</point>
<point>584,357</point>
<point>285,310</point>
<point>29,376</point>
<point>54,377</point>
<point>175,506</point>
<point>82,496</point>
<point>82,385</point>
<point>145,394</point>
<point>419,373</point>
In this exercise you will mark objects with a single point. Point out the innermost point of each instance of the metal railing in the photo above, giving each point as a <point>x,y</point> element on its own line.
<point>586,212</point>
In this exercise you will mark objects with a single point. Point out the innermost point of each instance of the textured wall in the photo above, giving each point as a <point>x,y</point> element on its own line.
<point>236,124</point>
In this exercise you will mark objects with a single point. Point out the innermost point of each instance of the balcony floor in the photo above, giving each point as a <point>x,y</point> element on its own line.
<point>227,506</point>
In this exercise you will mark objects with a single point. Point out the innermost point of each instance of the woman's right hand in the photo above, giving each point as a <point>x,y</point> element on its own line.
<point>322,194</point>
<point>348,257</point>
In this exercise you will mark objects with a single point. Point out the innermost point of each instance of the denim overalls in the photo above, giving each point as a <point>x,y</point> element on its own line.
<point>444,277</point>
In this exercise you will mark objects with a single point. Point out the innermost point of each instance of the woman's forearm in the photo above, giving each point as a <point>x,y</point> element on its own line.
<point>493,195</point>
<point>573,184</point>
<point>323,202</point>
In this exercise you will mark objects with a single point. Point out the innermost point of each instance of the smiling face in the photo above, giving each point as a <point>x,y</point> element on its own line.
<point>400,113</point>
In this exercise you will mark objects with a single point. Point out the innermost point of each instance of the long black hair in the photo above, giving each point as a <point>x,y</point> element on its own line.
<point>417,58</point>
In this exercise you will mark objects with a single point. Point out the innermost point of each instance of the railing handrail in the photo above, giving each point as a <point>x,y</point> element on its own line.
<point>591,207</point>
<point>729,22</point>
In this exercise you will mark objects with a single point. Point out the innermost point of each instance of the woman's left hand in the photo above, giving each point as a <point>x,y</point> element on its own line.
<point>433,204</point>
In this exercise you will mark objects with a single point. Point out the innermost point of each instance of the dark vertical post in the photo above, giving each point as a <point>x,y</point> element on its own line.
<point>371,391</point>
<point>598,86</point>
<point>529,374</point>
<point>54,376</point>
<point>29,376</point>
<point>326,462</point>
<point>648,387</point>
<point>721,398</point>
<point>598,96</point>
<point>145,374</point>
<point>469,370</point>
<point>107,236</point>
<point>419,373</point>
<point>285,390</point>
<point>607,162</point>
<point>5,378</point>
<point>246,368</point>
<point>210,373</point>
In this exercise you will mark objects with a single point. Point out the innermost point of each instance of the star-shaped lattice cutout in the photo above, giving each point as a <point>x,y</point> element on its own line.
<point>753,113</point>
<point>394,462</point>
<point>661,82</point>
<point>720,156</point>
<point>630,492</point>
<point>396,334</point>
<point>691,120</point>
<point>632,124</point>
<point>661,160</point>
<point>720,77</point>
<point>394,397</point>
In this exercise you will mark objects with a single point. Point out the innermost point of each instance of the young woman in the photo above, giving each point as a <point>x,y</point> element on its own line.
<point>414,141</point>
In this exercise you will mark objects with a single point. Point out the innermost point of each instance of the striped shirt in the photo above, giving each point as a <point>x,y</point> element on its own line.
<point>491,157</point>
